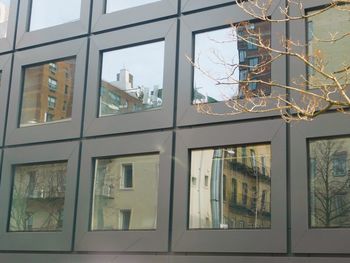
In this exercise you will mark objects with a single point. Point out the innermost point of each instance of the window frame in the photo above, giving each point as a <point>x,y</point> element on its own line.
<point>50,34</point>
<point>304,238</point>
<point>69,128</point>
<point>143,120</point>
<point>39,241</point>
<point>194,23</point>
<point>6,44</point>
<point>5,68</point>
<point>230,241</point>
<point>102,21</point>
<point>118,240</point>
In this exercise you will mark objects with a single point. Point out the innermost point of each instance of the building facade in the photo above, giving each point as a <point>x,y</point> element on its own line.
<point>104,156</point>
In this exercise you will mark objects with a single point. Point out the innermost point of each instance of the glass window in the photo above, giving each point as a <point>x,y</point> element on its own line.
<point>221,55</point>
<point>4,17</point>
<point>44,96</point>
<point>237,192</point>
<point>116,209</point>
<point>324,53</point>
<point>116,5</point>
<point>48,13</point>
<point>38,197</point>
<point>132,79</point>
<point>329,183</point>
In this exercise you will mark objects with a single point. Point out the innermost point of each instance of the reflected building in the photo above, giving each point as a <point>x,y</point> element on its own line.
<point>125,193</point>
<point>4,16</point>
<point>230,189</point>
<point>48,92</point>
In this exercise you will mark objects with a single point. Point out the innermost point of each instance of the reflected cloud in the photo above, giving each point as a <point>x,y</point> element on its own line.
<point>116,5</point>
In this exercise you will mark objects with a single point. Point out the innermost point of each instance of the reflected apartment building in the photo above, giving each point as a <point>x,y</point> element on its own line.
<point>4,16</point>
<point>231,188</point>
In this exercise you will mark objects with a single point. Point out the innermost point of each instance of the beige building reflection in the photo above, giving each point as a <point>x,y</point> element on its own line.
<point>125,193</point>
<point>4,17</point>
<point>230,188</point>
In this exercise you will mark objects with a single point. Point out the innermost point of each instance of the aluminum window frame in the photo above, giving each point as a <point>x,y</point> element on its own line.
<point>133,121</point>
<point>39,241</point>
<point>6,44</point>
<point>46,131</point>
<point>118,240</point>
<point>50,34</point>
<point>230,241</point>
<point>102,21</point>
<point>5,68</point>
<point>190,24</point>
<point>304,238</point>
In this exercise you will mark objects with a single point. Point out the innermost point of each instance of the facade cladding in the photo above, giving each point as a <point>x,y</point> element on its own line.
<point>105,158</point>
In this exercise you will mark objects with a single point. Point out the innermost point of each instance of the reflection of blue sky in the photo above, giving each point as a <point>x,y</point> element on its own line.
<point>208,44</point>
<point>5,2</point>
<point>144,62</point>
<point>47,13</point>
<point>115,5</point>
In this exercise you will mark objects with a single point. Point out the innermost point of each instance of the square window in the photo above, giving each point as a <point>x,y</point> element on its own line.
<point>33,111</point>
<point>40,9</point>
<point>117,5</point>
<point>53,67</point>
<point>113,175</point>
<point>38,195</point>
<point>329,183</point>
<point>226,164</point>
<point>132,83</point>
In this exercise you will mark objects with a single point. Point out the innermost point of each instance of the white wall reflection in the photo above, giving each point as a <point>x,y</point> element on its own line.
<point>4,16</point>
<point>116,5</point>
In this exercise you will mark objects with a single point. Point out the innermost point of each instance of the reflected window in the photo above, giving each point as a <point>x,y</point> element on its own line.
<point>326,54</point>
<point>48,13</point>
<point>237,192</point>
<point>329,183</point>
<point>4,17</point>
<point>38,197</point>
<point>224,56</point>
<point>113,207</point>
<point>132,79</point>
<point>117,5</point>
<point>43,97</point>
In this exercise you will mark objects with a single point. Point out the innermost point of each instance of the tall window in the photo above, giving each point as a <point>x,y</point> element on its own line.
<point>125,217</point>
<point>52,84</point>
<point>51,102</point>
<point>127,173</point>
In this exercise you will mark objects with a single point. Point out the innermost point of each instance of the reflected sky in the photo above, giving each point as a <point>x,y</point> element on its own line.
<point>144,62</point>
<point>5,2</point>
<point>4,14</point>
<point>116,5</point>
<point>209,48</point>
<point>48,13</point>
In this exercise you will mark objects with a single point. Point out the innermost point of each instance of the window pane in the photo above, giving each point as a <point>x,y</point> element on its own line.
<point>329,181</point>
<point>324,53</point>
<point>132,79</point>
<point>38,197</point>
<point>221,55</point>
<point>116,5</point>
<point>125,203</point>
<point>238,191</point>
<point>4,17</point>
<point>45,92</point>
<point>48,13</point>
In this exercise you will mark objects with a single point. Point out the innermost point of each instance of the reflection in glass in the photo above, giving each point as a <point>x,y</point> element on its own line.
<point>4,17</point>
<point>48,13</point>
<point>38,197</point>
<point>232,188</point>
<point>47,88</point>
<point>329,181</point>
<point>116,5</point>
<point>221,55</point>
<point>125,193</point>
<point>324,53</point>
<point>132,79</point>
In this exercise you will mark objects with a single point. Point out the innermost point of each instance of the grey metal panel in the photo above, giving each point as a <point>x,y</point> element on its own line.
<point>153,240</point>
<point>191,5</point>
<point>137,121</point>
<point>6,44</point>
<point>5,69</point>
<point>39,241</point>
<point>158,9</point>
<point>187,113</point>
<point>47,131</point>
<point>249,241</point>
<point>304,239</point>
<point>50,34</point>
